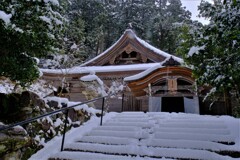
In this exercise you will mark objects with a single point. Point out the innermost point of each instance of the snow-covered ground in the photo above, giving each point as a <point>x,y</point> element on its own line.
<point>137,135</point>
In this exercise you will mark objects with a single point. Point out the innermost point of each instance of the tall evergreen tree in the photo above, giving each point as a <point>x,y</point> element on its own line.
<point>94,16</point>
<point>169,16</point>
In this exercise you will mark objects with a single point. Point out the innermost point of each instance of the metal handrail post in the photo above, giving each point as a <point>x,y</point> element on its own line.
<point>64,129</point>
<point>103,103</point>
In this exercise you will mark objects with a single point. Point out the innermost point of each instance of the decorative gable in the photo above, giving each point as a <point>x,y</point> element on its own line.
<point>129,49</point>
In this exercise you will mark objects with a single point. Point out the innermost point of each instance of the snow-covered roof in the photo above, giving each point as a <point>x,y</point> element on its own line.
<point>147,71</point>
<point>158,51</point>
<point>129,38</point>
<point>143,74</point>
<point>99,69</point>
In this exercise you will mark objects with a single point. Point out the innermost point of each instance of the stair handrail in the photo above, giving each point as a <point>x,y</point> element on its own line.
<point>64,109</point>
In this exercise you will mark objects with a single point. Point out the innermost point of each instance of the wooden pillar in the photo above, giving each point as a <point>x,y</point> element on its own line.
<point>227,101</point>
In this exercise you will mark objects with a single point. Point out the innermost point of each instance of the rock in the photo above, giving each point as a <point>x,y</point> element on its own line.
<point>11,142</point>
<point>73,115</point>
<point>3,136</point>
<point>3,149</point>
<point>18,130</point>
<point>27,110</point>
<point>52,104</point>
<point>18,107</point>
<point>13,156</point>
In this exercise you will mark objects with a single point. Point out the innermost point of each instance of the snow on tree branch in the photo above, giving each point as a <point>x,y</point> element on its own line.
<point>5,17</point>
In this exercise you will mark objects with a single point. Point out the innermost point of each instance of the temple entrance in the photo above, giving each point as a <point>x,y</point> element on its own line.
<point>172,104</point>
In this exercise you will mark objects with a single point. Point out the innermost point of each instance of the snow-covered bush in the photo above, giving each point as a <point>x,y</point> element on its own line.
<point>95,87</point>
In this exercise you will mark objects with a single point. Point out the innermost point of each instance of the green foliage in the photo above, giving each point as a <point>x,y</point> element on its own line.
<point>233,1</point>
<point>19,67</point>
<point>166,24</point>
<point>236,111</point>
<point>32,30</point>
<point>30,151</point>
<point>187,35</point>
<point>214,53</point>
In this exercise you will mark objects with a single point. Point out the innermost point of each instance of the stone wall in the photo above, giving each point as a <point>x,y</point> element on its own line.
<point>20,143</point>
<point>13,142</point>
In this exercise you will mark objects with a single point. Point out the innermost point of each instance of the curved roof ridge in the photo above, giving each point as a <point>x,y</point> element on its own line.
<point>128,32</point>
<point>158,51</point>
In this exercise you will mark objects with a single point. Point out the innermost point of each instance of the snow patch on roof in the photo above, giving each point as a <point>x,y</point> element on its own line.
<point>146,72</point>
<point>158,51</point>
<point>143,74</point>
<point>99,69</point>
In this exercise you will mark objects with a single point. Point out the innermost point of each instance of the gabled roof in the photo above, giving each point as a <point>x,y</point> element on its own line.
<point>129,42</point>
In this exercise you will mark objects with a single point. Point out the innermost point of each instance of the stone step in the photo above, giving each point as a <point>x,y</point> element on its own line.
<point>192,125</point>
<point>189,121</point>
<point>126,134</point>
<point>130,120</point>
<point>118,128</point>
<point>192,130</point>
<point>187,144</point>
<point>108,140</point>
<point>194,136</point>
<point>68,155</point>
<point>134,124</point>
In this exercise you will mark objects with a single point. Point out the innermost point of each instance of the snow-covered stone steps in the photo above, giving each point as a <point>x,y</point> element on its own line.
<point>126,134</point>
<point>118,128</point>
<point>68,155</point>
<point>186,144</point>
<point>155,136</point>
<point>192,130</point>
<point>108,140</point>
<point>189,154</point>
<point>155,152</point>
<point>137,124</point>
<point>189,120</point>
<point>101,148</point>
<point>194,136</point>
<point>193,125</point>
<point>130,119</point>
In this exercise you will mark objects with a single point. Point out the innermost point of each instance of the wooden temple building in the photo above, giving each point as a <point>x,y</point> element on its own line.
<point>154,80</point>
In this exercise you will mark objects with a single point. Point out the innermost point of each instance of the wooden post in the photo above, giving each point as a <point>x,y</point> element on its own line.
<point>122,102</point>
<point>227,103</point>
